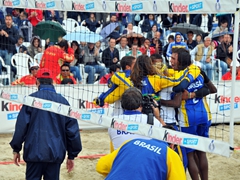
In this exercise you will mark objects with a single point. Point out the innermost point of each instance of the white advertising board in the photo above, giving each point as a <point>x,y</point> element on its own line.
<point>133,6</point>
<point>82,96</point>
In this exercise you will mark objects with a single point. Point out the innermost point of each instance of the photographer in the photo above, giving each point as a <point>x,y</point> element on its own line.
<point>132,104</point>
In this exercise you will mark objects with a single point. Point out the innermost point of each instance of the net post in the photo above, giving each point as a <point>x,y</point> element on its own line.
<point>235,41</point>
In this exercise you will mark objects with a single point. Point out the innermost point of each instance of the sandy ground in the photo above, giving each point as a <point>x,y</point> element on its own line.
<point>97,142</point>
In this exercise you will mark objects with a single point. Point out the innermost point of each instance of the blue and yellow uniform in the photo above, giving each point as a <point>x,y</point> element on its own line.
<point>155,83</point>
<point>194,114</point>
<point>120,81</point>
<point>142,159</point>
<point>194,111</point>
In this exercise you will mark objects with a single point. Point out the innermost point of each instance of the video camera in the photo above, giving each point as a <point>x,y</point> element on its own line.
<point>148,104</point>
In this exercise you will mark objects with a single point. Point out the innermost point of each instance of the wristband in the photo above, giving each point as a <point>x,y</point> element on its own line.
<point>189,95</point>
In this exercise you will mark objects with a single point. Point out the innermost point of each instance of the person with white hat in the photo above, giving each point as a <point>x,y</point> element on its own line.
<point>28,79</point>
<point>228,75</point>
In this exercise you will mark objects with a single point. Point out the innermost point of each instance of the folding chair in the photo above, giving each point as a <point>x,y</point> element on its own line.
<point>21,62</point>
<point>5,74</point>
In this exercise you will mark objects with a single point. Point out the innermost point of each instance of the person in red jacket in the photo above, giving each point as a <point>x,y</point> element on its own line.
<point>113,68</point>
<point>55,56</point>
<point>228,75</point>
<point>65,74</point>
<point>146,49</point>
<point>34,16</point>
<point>28,79</point>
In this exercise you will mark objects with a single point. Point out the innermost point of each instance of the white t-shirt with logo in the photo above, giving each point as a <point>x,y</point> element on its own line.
<point>167,113</point>
<point>118,137</point>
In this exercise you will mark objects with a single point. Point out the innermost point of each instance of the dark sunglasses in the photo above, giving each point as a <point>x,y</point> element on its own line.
<point>65,70</point>
<point>34,68</point>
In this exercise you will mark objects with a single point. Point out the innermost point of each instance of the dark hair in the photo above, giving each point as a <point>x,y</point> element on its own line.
<point>111,38</point>
<point>135,44</point>
<point>65,65</point>
<point>147,40</point>
<point>77,51</point>
<point>189,32</point>
<point>63,43</point>
<point>67,81</point>
<point>155,56</point>
<point>25,13</point>
<point>123,37</point>
<point>45,81</point>
<point>113,14</point>
<point>20,37</point>
<point>8,15</point>
<point>114,67</point>
<point>171,37</point>
<point>154,25</point>
<point>74,42</point>
<point>199,35</point>
<point>184,58</point>
<point>131,99</point>
<point>142,68</point>
<point>126,61</point>
<point>223,21</point>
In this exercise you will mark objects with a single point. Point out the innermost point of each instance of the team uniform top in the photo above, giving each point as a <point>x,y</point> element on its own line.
<point>118,137</point>
<point>155,83</point>
<point>194,111</point>
<point>167,113</point>
<point>126,163</point>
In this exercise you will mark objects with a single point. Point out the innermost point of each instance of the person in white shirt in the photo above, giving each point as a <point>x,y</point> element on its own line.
<point>122,47</point>
<point>222,28</point>
<point>131,103</point>
<point>20,48</point>
<point>204,21</point>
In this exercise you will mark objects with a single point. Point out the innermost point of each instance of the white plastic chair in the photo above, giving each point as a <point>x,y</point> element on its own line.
<point>98,30</point>
<point>137,29</point>
<point>38,57</point>
<point>26,44</point>
<point>70,24</point>
<point>140,23</point>
<point>21,62</point>
<point>238,53</point>
<point>5,74</point>
<point>81,29</point>
<point>81,24</point>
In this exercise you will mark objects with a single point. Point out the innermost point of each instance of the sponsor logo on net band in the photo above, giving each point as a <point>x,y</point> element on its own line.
<point>124,127</point>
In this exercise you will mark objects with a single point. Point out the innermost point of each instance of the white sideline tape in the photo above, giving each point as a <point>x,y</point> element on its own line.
<point>171,136</point>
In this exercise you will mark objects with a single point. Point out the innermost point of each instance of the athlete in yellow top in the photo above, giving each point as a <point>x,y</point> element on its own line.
<point>144,76</point>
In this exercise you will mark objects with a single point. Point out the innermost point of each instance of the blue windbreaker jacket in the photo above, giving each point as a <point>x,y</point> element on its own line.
<point>46,135</point>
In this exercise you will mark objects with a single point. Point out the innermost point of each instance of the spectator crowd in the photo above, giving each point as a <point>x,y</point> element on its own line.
<point>135,35</point>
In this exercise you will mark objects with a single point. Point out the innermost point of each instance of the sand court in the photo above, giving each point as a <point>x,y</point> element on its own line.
<point>96,142</point>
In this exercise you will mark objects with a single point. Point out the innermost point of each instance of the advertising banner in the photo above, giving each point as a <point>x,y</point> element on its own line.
<point>81,97</point>
<point>132,6</point>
